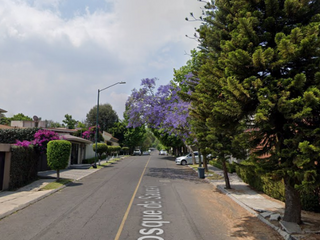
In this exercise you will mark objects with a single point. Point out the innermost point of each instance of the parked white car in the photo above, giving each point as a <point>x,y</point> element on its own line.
<point>163,152</point>
<point>187,159</point>
<point>137,152</point>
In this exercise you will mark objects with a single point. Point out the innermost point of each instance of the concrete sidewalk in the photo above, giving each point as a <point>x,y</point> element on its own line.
<point>265,208</point>
<point>268,210</point>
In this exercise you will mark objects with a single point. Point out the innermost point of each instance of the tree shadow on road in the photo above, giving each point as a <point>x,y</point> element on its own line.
<point>171,173</point>
<point>74,184</point>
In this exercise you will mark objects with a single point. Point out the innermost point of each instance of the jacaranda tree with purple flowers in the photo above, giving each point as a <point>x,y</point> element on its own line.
<point>160,108</point>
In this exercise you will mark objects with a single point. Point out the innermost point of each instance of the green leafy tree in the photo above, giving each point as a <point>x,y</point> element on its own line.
<point>17,117</point>
<point>134,137</point>
<point>125,150</point>
<point>69,121</point>
<point>5,121</point>
<point>149,140</point>
<point>80,125</point>
<point>58,152</point>
<point>101,149</point>
<point>114,150</point>
<point>168,140</point>
<point>118,131</point>
<point>265,56</point>
<point>52,124</point>
<point>107,117</point>
<point>21,117</point>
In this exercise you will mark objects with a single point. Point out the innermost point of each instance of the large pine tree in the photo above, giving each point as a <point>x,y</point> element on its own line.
<point>262,67</point>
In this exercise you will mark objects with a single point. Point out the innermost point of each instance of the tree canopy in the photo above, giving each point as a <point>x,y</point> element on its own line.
<point>161,109</point>
<point>260,70</point>
<point>17,117</point>
<point>69,121</point>
<point>107,117</point>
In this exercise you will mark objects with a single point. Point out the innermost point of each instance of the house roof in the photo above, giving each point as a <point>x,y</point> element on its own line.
<point>2,111</point>
<point>71,138</point>
<point>62,130</point>
<point>5,127</point>
<point>108,137</point>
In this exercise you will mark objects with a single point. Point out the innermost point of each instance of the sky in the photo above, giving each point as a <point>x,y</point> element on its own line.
<point>56,54</point>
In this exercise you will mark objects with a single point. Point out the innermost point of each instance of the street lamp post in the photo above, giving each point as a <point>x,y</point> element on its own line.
<point>96,140</point>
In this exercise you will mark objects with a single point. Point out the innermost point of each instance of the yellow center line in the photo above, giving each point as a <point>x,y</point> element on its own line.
<point>130,204</point>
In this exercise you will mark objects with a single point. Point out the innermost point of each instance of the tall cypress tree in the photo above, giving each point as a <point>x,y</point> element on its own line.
<point>263,68</point>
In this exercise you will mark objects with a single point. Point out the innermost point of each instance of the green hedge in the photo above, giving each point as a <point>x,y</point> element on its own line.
<point>23,168</point>
<point>275,189</point>
<point>230,166</point>
<point>125,150</point>
<point>101,149</point>
<point>113,149</point>
<point>12,135</point>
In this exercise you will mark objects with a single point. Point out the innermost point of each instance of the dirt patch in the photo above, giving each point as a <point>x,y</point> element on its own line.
<point>241,224</point>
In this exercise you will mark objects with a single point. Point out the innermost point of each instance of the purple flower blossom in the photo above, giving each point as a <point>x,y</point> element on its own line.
<point>90,133</point>
<point>23,143</point>
<point>163,109</point>
<point>41,139</point>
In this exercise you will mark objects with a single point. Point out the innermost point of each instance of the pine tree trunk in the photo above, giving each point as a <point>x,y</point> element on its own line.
<point>225,173</point>
<point>292,212</point>
<point>205,165</point>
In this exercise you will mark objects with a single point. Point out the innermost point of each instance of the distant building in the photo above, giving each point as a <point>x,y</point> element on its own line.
<point>28,124</point>
<point>109,139</point>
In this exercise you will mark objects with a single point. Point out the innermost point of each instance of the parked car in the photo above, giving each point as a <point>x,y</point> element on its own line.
<point>146,153</point>
<point>210,156</point>
<point>137,152</point>
<point>187,159</point>
<point>163,152</point>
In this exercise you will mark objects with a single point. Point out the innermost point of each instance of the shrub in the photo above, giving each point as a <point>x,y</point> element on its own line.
<point>113,149</point>
<point>230,166</point>
<point>43,137</point>
<point>40,141</point>
<point>58,153</point>
<point>90,134</point>
<point>23,169</point>
<point>101,148</point>
<point>275,189</point>
<point>12,135</point>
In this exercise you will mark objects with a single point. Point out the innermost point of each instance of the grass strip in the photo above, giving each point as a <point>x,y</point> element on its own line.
<point>57,184</point>
<point>102,165</point>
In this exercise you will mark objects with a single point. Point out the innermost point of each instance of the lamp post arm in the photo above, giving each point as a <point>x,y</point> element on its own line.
<point>110,86</point>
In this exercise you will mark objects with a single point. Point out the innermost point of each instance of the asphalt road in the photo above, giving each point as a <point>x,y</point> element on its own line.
<point>141,197</point>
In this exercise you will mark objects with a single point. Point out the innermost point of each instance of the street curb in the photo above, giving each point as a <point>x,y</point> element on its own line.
<point>283,234</point>
<point>31,202</point>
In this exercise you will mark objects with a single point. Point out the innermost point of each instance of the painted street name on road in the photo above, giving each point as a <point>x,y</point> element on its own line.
<point>152,219</point>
